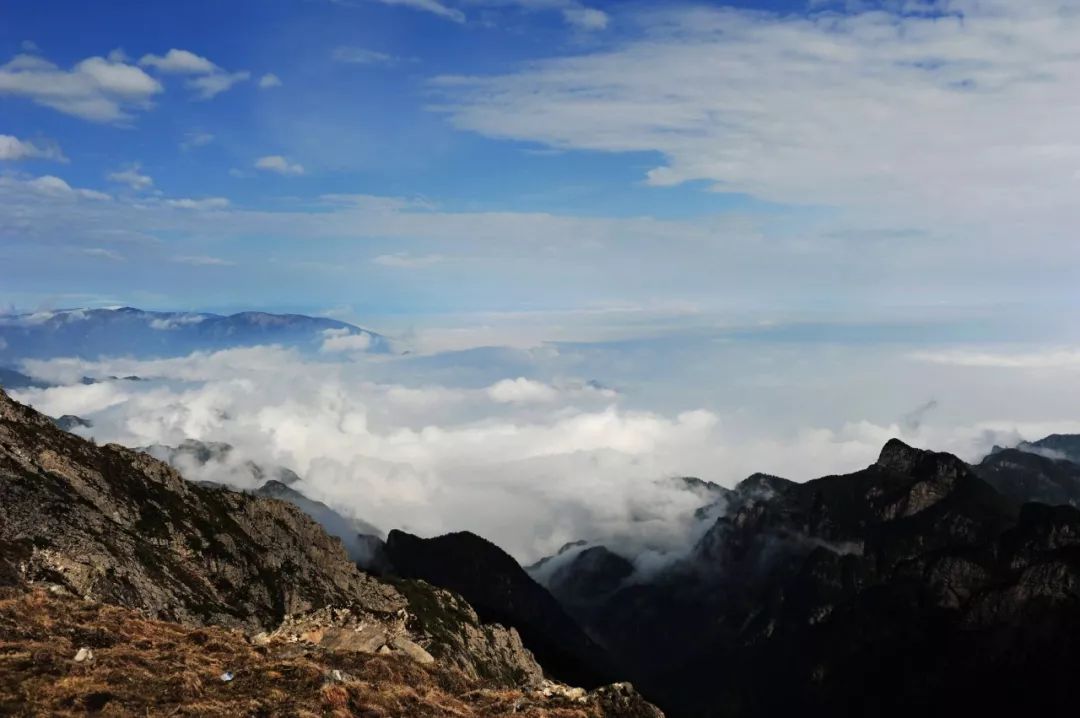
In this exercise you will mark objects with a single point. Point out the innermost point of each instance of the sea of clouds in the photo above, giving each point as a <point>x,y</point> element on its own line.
<point>512,445</point>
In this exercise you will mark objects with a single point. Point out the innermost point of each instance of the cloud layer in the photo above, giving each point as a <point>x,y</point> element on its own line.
<point>539,458</point>
<point>924,110</point>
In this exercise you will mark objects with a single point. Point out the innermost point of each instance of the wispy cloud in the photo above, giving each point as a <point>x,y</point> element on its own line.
<point>431,6</point>
<point>196,139</point>
<point>207,79</point>
<point>574,13</point>
<point>132,177</point>
<point>12,149</point>
<point>336,341</point>
<point>278,165</point>
<point>202,261</point>
<point>205,203</point>
<point>1056,358</point>
<point>363,56</point>
<point>404,260</point>
<point>269,80</point>
<point>586,18</point>
<point>806,109</point>
<point>210,86</point>
<point>102,253</point>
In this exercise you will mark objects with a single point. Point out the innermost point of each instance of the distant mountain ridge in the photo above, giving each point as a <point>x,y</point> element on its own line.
<point>127,331</point>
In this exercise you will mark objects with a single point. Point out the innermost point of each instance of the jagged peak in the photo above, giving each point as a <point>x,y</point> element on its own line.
<point>898,456</point>
<point>758,482</point>
<point>901,458</point>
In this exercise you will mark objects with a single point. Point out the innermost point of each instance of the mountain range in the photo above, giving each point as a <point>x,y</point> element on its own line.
<point>126,331</point>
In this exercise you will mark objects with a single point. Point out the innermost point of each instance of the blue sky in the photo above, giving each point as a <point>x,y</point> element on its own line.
<point>391,160</point>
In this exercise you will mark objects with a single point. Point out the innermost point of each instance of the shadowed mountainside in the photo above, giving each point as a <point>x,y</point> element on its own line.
<point>910,587</point>
<point>502,592</point>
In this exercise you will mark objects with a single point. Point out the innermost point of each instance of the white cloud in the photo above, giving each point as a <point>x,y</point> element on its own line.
<point>207,81</point>
<point>176,322</point>
<point>404,260</point>
<point>97,88</point>
<point>1059,358</point>
<point>132,177</point>
<point>432,6</point>
<point>200,260</point>
<point>343,340</point>
<point>206,203</point>
<point>905,113</point>
<point>574,13</point>
<point>179,62</point>
<point>733,263</point>
<point>101,253</point>
<point>13,149</point>
<point>269,80</point>
<point>278,164</point>
<point>56,187</point>
<point>196,139</point>
<point>586,18</point>
<point>210,86</point>
<point>526,462</point>
<point>362,56</point>
<point>79,399</point>
<point>522,391</point>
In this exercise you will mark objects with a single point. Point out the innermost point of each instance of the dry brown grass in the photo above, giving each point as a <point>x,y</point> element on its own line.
<point>152,668</point>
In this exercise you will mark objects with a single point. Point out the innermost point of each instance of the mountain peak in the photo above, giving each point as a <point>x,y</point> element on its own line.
<point>898,456</point>
<point>937,467</point>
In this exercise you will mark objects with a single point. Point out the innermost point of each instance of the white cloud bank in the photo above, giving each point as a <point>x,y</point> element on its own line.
<point>97,88</point>
<point>527,462</point>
